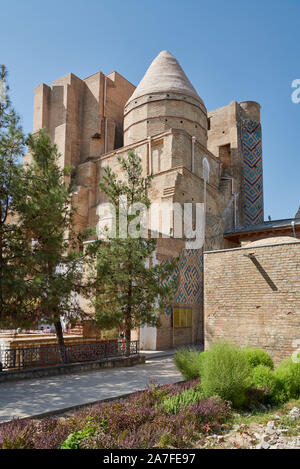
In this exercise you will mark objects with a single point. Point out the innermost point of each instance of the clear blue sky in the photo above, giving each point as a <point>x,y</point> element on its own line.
<point>230,50</point>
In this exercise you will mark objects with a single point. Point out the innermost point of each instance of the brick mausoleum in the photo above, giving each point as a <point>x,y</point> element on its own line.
<point>195,156</point>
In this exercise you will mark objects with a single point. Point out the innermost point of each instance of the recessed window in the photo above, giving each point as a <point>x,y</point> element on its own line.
<point>208,123</point>
<point>225,155</point>
<point>183,317</point>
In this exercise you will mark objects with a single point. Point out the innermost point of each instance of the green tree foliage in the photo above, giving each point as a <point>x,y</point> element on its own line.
<point>11,149</point>
<point>127,287</point>
<point>53,257</point>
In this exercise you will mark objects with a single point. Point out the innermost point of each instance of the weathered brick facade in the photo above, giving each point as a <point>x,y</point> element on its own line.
<point>211,159</point>
<point>252,296</point>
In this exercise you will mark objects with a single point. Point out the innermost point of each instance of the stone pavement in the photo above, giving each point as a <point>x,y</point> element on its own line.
<point>33,397</point>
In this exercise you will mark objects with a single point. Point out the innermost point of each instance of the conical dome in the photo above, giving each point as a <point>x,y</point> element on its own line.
<point>165,75</point>
<point>165,99</point>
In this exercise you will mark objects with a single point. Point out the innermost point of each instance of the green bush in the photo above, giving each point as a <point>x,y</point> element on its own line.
<point>263,378</point>
<point>257,356</point>
<point>189,362</point>
<point>172,405</point>
<point>74,439</point>
<point>288,376</point>
<point>242,376</point>
<point>225,372</point>
<point>280,385</point>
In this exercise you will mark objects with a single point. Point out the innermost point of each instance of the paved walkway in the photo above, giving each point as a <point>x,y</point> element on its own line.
<point>33,397</point>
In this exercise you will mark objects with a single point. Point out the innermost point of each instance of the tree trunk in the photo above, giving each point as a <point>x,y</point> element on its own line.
<point>1,263</point>
<point>1,274</point>
<point>60,340</point>
<point>128,317</point>
<point>127,337</point>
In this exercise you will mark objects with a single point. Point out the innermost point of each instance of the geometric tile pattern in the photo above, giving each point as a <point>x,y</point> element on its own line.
<point>253,172</point>
<point>190,273</point>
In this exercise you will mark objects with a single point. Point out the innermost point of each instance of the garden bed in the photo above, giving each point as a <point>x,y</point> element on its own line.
<point>143,420</point>
<point>232,398</point>
<point>135,422</point>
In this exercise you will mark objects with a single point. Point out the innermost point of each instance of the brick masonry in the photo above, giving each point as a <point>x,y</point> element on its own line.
<point>254,300</point>
<point>95,120</point>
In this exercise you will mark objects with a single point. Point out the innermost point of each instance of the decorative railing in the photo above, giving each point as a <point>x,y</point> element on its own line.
<point>22,358</point>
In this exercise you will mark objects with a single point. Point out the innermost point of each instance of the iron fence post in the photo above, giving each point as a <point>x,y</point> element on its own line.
<point>14,358</point>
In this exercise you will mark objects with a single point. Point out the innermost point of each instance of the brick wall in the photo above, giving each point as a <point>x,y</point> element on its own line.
<point>254,300</point>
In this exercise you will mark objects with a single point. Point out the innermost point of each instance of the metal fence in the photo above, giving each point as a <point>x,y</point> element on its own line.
<point>21,358</point>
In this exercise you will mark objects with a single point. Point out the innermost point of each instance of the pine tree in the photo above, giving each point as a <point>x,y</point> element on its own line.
<point>11,149</point>
<point>128,288</point>
<point>46,218</point>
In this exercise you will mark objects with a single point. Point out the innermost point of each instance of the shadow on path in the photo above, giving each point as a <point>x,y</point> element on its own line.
<point>32,397</point>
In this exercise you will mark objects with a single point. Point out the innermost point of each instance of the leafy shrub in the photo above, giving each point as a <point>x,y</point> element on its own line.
<point>264,379</point>
<point>172,405</point>
<point>166,430</point>
<point>75,439</point>
<point>212,411</point>
<point>257,356</point>
<point>280,385</point>
<point>225,372</point>
<point>189,362</point>
<point>288,377</point>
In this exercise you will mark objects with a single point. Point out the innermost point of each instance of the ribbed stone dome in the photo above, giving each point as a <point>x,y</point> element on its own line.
<point>165,75</point>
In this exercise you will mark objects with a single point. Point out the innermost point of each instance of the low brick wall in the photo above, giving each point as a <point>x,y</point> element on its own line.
<point>40,340</point>
<point>254,300</point>
<point>6,376</point>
